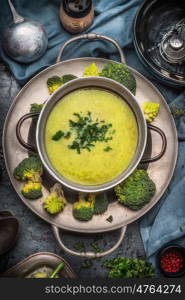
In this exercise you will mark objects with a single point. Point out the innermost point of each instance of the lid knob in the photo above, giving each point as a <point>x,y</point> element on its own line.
<point>176,42</point>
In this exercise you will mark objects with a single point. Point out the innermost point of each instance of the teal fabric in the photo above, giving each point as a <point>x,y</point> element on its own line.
<point>166,221</point>
<point>112,17</point>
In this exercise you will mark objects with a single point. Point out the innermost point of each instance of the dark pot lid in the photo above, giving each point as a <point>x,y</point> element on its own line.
<point>159,36</point>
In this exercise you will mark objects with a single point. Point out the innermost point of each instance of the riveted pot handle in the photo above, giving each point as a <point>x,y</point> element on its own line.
<point>92,36</point>
<point>18,131</point>
<point>88,254</point>
<point>164,144</point>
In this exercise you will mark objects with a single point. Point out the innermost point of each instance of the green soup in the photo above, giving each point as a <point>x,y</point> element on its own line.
<point>108,143</point>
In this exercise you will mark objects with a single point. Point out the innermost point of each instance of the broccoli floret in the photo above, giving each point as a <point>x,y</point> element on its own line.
<point>91,70</point>
<point>29,169</point>
<point>35,107</point>
<point>68,77</point>
<point>120,73</point>
<point>56,201</point>
<point>150,110</point>
<point>100,203</point>
<point>83,210</point>
<point>53,83</point>
<point>136,190</point>
<point>32,190</point>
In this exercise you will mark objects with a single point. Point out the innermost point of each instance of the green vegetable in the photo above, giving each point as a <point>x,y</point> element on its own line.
<point>88,132</point>
<point>68,77</point>
<point>58,135</point>
<point>87,264</point>
<point>40,275</point>
<point>100,203</point>
<point>109,219</point>
<point>83,210</point>
<point>107,149</point>
<point>56,201</point>
<point>35,107</point>
<point>95,247</point>
<point>58,269</point>
<point>80,246</point>
<point>122,267</point>
<point>32,190</point>
<point>91,70</point>
<point>150,110</point>
<point>136,190</point>
<point>29,169</point>
<point>120,73</point>
<point>53,83</point>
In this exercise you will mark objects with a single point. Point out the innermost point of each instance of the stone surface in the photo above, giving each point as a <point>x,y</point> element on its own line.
<point>35,234</point>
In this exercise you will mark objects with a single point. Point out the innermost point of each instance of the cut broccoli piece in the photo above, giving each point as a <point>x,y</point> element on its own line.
<point>29,169</point>
<point>56,201</point>
<point>68,77</point>
<point>35,107</point>
<point>32,190</point>
<point>100,203</point>
<point>83,210</point>
<point>136,190</point>
<point>120,73</point>
<point>150,110</point>
<point>53,83</point>
<point>91,70</point>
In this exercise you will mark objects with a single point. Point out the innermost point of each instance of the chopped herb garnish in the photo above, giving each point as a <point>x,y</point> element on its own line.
<point>86,132</point>
<point>86,264</point>
<point>79,246</point>
<point>58,135</point>
<point>109,219</point>
<point>107,149</point>
<point>67,135</point>
<point>95,247</point>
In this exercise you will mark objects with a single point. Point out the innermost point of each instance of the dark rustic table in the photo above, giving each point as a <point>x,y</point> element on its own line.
<point>35,234</point>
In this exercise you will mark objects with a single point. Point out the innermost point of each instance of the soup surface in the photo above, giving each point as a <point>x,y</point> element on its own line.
<point>91,136</point>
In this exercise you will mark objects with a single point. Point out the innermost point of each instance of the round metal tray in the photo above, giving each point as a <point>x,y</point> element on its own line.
<point>160,171</point>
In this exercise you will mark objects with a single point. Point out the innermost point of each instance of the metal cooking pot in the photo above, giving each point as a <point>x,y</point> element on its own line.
<point>100,83</point>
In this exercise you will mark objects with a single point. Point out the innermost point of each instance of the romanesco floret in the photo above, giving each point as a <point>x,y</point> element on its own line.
<point>91,70</point>
<point>150,110</point>
<point>56,201</point>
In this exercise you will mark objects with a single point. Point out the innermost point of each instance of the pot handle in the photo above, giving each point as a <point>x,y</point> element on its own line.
<point>18,131</point>
<point>92,36</point>
<point>164,145</point>
<point>88,254</point>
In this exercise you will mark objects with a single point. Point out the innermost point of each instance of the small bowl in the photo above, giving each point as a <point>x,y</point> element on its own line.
<point>167,249</point>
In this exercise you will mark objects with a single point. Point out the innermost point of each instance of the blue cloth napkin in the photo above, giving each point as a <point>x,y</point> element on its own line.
<point>166,221</point>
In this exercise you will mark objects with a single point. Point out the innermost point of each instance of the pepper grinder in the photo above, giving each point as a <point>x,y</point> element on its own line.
<point>76,15</point>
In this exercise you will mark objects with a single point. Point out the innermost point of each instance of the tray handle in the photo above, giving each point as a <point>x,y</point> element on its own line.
<point>92,36</point>
<point>88,254</point>
<point>18,131</point>
<point>164,145</point>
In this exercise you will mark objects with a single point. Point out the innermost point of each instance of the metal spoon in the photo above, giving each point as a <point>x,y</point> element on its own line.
<point>24,40</point>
